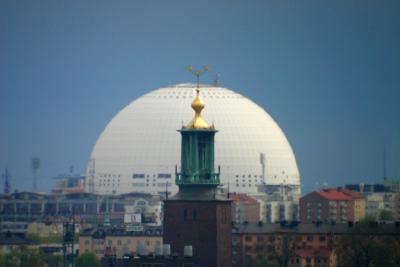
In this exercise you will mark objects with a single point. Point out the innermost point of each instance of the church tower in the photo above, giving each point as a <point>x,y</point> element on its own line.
<point>197,216</point>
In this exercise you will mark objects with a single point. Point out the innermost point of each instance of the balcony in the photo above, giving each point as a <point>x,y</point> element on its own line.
<point>197,179</point>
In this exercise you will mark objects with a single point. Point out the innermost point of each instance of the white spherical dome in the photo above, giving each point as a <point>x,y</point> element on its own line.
<point>139,148</point>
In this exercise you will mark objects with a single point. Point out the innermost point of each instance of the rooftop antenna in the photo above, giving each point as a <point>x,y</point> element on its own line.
<point>229,187</point>
<point>89,180</point>
<point>263,163</point>
<point>166,190</point>
<point>216,81</point>
<point>71,170</point>
<point>35,164</point>
<point>384,163</point>
<point>197,73</point>
<point>6,178</point>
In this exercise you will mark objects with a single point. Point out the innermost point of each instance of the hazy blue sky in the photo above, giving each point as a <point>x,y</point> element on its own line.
<point>327,71</point>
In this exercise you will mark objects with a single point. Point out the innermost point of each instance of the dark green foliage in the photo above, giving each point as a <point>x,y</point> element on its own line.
<point>368,245</point>
<point>23,257</point>
<point>51,239</point>
<point>34,238</point>
<point>2,260</point>
<point>54,260</point>
<point>386,215</point>
<point>87,260</point>
<point>262,262</point>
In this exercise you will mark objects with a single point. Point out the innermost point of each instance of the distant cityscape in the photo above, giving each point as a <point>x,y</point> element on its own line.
<point>127,210</point>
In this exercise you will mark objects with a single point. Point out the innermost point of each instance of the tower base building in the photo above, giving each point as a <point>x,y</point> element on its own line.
<point>204,225</point>
<point>197,221</point>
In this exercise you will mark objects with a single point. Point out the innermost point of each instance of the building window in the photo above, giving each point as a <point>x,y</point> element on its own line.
<point>248,238</point>
<point>185,214</point>
<point>164,175</point>
<point>310,238</point>
<point>322,238</point>
<point>141,203</point>
<point>194,214</point>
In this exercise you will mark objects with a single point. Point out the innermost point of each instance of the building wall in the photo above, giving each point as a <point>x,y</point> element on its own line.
<point>359,209</point>
<point>27,206</point>
<point>396,213</point>
<point>45,230</point>
<point>124,244</point>
<point>379,201</point>
<point>313,207</point>
<point>244,208</point>
<point>275,246</point>
<point>205,225</point>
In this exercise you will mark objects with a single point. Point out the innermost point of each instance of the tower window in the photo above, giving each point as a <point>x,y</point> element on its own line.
<point>194,214</point>
<point>185,214</point>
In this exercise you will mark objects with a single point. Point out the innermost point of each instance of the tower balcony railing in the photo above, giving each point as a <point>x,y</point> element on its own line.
<point>197,179</point>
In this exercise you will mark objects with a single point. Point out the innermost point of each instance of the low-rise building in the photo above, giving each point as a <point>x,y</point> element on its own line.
<point>338,205</point>
<point>396,213</point>
<point>117,240</point>
<point>379,198</point>
<point>300,245</point>
<point>9,241</point>
<point>359,203</point>
<point>85,207</point>
<point>296,244</point>
<point>244,208</point>
<point>278,203</point>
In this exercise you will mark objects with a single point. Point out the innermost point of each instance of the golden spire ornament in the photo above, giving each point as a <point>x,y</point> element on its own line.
<point>198,104</point>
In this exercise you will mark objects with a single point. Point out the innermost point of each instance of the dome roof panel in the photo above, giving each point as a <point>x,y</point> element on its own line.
<point>142,137</point>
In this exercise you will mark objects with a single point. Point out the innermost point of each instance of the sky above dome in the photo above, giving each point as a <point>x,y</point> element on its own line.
<point>326,71</point>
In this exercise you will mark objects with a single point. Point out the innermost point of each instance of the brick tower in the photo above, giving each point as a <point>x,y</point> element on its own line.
<point>196,216</point>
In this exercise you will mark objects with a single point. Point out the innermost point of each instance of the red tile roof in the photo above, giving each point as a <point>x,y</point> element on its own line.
<point>242,198</point>
<point>353,194</point>
<point>334,194</point>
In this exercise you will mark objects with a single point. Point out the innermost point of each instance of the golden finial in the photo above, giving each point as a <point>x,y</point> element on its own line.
<point>198,103</point>
<point>197,73</point>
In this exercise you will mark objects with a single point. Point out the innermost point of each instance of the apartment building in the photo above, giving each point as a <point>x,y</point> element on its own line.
<point>338,205</point>
<point>120,241</point>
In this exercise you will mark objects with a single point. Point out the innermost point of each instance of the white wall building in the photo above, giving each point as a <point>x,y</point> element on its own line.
<point>139,148</point>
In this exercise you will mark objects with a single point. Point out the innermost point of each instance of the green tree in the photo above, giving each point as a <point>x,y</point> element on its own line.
<point>54,260</point>
<point>34,238</point>
<point>87,259</point>
<point>24,257</point>
<point>367,244</point>
<point>386,215</point>
<point>2,260</point>
<point>262,262</point>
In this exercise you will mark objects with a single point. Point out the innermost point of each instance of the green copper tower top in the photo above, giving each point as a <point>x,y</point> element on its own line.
<point>197,151</point>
